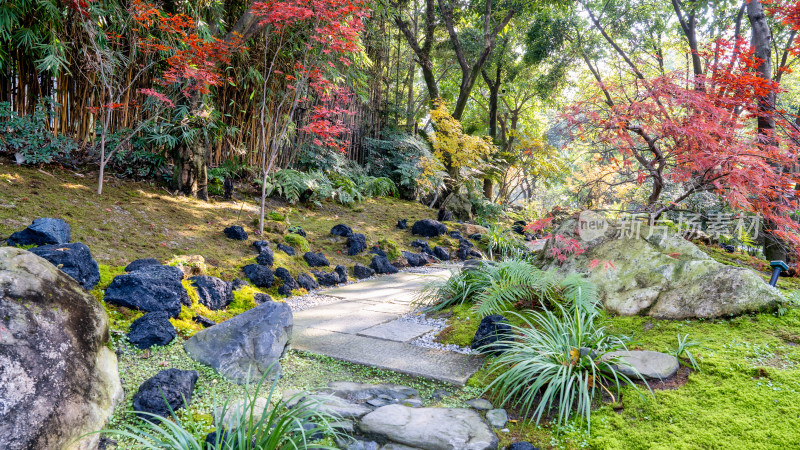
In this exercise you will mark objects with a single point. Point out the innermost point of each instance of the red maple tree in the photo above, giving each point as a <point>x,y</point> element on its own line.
<point>700,134</point>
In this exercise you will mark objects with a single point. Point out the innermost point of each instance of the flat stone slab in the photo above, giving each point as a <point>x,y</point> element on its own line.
<point>430,428</point>
<point>354,322</point>
<point>396,330</point>
<point>400,357</point>
<point>651,365</point>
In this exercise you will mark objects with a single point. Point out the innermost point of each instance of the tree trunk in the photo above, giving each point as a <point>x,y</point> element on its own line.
<point>761,40</point>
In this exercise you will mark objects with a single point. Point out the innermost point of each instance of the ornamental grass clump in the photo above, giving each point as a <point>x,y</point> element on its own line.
<point>556,363</point>
<point>240,425</point>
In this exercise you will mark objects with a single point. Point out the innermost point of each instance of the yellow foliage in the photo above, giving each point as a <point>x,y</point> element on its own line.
<point>454,148</point>
<point>542,160</point>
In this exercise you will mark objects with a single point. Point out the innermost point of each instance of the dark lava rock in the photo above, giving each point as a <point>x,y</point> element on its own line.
<point>519,226</point>
<point>246,347</point>
<point>139,263</point>
<point>521,446</point>
<point>402,224</point>
<point>356,243</point>
<point>415,259</point>
<point>444,214</point>
<point>316,259</point>
<point>261,246</point>
<point>455,234</point>
<point>380,264</point>
<point>204,321</point>
<point>262,298</point>
<point>361,271</point>
<point>74,260</point>
<point>306,282</point>
<point>341,230</point>
<point>236,232</point>
<point>286,249</point>
<point>422,245</point>
<point>151,329</point>
<point>266,257</point>
<point>476,236</point>
<point>297,230</point>
<point>428,228</point>
<point>342,271</point>
<point>58,375</point>
<point>727,248</point>
<point>326,278</point>
<point>225,440</point>
<point>466,252</point>
<point>260,276</point>
<point>213,292</point>
<point>174,385</point>
<point>149,288</point>
<point>289,283</point>
<point>442,253</point>
<point>491,330</point>
<point>377,251</point>
<point>238,284</point>
<point>42,231</point>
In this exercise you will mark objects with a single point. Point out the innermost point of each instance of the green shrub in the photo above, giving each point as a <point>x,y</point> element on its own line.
<point>247,427</point>
<point>30,136</point>
<point>557,363</point>
<point>298,242</point>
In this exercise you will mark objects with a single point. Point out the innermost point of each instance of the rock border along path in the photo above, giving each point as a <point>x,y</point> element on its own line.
<point>363,328</point>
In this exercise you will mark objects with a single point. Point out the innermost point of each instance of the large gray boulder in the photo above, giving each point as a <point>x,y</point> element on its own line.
<point>245,347</point>
<point>658,273</point>
<point>58,378</point>
<point>429,428</point>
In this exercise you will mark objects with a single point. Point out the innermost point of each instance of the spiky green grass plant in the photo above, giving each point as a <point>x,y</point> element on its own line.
<point>556,364</point>
<point>240,425</point>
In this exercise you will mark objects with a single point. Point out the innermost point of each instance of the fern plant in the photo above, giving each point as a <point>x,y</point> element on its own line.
<point>289,184</point>
<point>372,187</point>
<point>494,288</point>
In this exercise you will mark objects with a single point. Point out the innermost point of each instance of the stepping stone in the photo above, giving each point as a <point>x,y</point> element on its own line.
<point>479,404</point>
<point>450,367</point>
<point>396,330</point>
<point>355,322</point>
<point>387,307</point>
<point>430,428</point>
<point>651,365</point>
<point>326,403</point>
<point>497,418</point>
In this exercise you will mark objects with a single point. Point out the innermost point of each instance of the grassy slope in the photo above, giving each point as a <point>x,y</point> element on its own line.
<point>137,220</point>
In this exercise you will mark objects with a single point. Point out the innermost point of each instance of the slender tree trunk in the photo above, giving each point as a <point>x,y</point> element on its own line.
<point>761,40</point>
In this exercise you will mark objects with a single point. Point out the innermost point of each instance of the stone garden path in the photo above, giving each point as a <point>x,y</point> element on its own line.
<point>363,328</point>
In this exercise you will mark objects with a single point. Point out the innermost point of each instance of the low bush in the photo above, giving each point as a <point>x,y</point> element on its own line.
<point>29,136</point>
